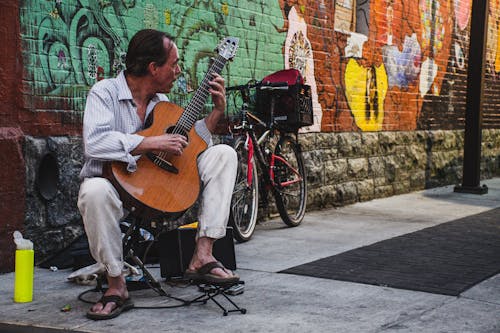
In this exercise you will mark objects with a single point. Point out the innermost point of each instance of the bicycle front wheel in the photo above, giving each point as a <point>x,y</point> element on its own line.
<point>245,199</point>
<point>290,190</point>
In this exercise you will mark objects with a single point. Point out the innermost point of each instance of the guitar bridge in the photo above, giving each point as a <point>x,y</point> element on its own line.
<point>162,163</point>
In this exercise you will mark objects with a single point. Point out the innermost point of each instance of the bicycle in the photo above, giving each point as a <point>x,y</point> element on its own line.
<point>275,151</point>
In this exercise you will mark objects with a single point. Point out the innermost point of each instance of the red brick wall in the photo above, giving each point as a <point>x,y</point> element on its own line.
<point>442,31</point>
<point>12,195</point>
<point>11,135</point>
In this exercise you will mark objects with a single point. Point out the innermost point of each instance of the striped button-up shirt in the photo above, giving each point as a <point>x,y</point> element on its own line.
<point>109,123</point>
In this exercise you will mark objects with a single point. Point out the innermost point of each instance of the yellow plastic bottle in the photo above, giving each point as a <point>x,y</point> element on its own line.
<point>24,269</point>
<point>23,283</point>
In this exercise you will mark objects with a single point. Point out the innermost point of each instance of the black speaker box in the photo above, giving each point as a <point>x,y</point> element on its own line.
<point>176,248</point>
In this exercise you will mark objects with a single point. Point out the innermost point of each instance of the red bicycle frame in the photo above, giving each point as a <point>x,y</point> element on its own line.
<point>250,148</point>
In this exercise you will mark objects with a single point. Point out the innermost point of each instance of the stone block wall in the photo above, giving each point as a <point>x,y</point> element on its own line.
<point>344,168</point>
<point>52,167</point>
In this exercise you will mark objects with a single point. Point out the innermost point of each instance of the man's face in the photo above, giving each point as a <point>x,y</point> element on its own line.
<point>169,71</point>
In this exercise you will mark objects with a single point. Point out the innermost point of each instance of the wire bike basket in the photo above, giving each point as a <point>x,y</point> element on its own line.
<point>292,106</point>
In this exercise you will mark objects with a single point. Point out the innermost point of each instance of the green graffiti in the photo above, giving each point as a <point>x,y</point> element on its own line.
<point>71,44</point>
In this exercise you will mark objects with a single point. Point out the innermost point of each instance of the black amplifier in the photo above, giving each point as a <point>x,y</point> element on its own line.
<point>176,248</point>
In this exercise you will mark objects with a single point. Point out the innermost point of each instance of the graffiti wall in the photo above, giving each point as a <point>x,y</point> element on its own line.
<point>372,65</point>
<point>70,44</point>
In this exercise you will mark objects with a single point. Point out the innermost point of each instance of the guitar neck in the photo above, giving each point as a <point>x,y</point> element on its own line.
<point>195,106</point>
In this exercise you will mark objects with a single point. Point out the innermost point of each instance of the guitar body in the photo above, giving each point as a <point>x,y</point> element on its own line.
<point>153,191</point>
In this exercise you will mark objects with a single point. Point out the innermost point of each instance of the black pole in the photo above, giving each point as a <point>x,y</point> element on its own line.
<point>474,109</point>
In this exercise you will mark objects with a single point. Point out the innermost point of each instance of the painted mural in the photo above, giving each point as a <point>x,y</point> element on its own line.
<point>74,43</point>
<point>398,57</point>
<point>384,68</point>
<point>299,55</point>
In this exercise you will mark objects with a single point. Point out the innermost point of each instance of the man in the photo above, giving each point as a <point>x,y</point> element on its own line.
<point>115,110</point>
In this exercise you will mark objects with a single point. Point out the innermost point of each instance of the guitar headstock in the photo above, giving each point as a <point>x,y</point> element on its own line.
<point>227,47</point>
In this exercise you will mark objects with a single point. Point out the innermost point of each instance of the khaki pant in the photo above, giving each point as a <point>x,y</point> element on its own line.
<point>102,209</point>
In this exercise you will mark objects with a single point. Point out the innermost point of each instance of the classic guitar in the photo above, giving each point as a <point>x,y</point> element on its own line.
<point>165,184</point>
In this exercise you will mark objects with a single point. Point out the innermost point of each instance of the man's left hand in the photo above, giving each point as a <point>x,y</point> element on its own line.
<point>218,92</point>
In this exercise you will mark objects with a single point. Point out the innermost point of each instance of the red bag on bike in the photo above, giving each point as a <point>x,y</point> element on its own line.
<point>291,76</point>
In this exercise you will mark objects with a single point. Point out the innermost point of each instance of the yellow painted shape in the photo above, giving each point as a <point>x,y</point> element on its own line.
<point>225,8</point>
<point>358,88</point>
<point>168,16</point>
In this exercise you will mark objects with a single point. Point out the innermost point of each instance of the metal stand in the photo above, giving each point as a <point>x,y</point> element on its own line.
<point>210,292</point>
<point>132,237</point>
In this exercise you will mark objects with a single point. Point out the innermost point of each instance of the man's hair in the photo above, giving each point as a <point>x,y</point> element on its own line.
<point>146,46</point>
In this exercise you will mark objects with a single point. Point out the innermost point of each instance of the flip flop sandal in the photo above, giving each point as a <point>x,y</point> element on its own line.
<point>122,305</point>
<point>203,274</point>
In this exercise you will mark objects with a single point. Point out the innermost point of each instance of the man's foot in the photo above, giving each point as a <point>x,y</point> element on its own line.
<point>114,301</point>
<point>205,268</point>
<point>110,306</point>
<point>210,273</point>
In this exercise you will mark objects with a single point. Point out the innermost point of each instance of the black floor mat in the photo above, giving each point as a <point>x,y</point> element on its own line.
<point>445,259</point>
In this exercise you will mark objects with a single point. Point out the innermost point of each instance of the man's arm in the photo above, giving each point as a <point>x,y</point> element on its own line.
<point>102,141</point>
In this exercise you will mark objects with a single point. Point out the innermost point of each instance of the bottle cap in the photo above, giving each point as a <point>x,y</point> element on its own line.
<point>21,243</point>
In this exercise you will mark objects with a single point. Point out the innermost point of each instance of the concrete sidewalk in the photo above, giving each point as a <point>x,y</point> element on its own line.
<point>288,303</point>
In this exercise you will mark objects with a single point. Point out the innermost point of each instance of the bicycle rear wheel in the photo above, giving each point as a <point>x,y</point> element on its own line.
<point>245,199</point>
<point>290,191</point>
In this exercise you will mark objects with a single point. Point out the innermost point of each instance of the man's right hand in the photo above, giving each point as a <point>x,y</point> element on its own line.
<point>169,143</point>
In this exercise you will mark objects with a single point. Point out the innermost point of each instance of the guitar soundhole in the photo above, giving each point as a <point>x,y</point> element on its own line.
<point>177,130</point>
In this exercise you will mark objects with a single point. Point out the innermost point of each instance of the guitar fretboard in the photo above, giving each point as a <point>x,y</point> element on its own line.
<point>193,109</point>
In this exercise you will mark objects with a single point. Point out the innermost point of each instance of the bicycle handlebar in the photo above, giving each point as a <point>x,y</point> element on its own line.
<point>261,85</point>
<point>242,87</point>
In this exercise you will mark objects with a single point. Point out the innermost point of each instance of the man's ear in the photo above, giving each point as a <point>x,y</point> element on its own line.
<point>152,68</point>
